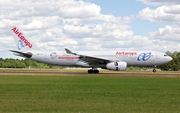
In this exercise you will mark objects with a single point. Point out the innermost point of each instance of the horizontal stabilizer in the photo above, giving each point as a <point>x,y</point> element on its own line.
<point>19,53</point>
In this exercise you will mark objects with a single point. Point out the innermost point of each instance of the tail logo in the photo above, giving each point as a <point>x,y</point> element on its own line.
<point>20,44</point>
<point>23,41</point>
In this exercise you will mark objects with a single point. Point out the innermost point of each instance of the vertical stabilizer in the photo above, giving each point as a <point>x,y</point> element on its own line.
<point>22,41</point>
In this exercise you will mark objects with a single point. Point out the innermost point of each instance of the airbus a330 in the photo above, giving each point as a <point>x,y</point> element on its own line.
<point>112,60</point>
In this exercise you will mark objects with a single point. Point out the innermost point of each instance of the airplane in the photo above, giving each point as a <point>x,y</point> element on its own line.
<point>111,60</point>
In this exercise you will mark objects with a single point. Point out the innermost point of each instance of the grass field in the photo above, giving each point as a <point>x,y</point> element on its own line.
<point>89,94</point>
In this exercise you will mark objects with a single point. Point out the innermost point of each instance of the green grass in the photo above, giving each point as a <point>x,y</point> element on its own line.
<point>89,94</point>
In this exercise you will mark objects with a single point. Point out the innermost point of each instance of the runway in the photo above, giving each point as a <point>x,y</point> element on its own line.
<point>83,72</point>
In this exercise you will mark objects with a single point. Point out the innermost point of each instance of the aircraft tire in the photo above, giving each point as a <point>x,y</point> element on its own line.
<point>90,71</point>
<point>96,71</point>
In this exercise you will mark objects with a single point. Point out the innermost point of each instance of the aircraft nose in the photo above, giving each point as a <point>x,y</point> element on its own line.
<point>170,59</point>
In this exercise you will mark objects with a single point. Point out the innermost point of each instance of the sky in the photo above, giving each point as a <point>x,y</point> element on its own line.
<point>92,25</point>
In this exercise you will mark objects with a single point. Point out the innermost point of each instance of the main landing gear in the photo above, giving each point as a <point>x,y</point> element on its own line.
<point>93,70</point>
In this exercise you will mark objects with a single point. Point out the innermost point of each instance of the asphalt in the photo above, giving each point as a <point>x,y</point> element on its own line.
<point>73,72</point>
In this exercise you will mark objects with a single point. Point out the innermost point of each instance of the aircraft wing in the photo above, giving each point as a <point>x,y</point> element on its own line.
<point>90,59</point>
<point>19,53</point>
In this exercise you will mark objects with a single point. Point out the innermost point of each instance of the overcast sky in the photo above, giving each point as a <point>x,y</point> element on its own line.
<point>92,24</point>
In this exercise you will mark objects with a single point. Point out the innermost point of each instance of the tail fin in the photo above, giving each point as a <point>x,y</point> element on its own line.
<point>22,40</point>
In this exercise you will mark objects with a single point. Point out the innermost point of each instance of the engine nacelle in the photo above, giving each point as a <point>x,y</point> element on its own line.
<point>117,66</point>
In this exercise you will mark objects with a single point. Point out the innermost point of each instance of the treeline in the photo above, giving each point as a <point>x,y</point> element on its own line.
<point>24,63</point>
<point>174,65</point>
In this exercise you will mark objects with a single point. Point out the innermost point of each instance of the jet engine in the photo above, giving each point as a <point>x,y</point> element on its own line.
<point>117,66</point>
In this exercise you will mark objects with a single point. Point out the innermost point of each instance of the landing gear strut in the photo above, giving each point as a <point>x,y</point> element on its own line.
<point>93,70</point>
<point>154,69</point>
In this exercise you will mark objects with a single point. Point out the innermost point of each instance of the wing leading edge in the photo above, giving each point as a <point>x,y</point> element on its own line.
<point>89,59</point>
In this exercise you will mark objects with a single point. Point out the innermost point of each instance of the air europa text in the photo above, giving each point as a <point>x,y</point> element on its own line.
<point>126,53</point>
<point>20,35</point>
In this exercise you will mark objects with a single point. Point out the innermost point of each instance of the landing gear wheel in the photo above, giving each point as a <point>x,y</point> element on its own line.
<point>90,71</point>
<point>96,71</point>
<point>93,70</point>
<point>154,70</point>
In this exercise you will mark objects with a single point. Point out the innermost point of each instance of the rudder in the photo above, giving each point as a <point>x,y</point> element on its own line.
<point>22,40</point>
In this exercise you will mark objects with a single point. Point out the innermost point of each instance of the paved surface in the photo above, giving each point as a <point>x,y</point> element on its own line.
<point>73,72</point>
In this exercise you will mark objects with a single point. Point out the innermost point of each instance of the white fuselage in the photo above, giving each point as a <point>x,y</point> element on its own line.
<point>132,58</point>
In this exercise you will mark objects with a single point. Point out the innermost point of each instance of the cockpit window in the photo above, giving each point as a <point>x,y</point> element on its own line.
<point>165,55</point>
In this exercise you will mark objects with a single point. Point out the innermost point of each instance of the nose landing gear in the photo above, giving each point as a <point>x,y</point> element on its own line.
<point>154,69</point>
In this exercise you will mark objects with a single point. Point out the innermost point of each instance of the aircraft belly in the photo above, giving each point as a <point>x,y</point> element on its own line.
<point>134,62</point>
<point>83,64</point>
<point>65,63</point>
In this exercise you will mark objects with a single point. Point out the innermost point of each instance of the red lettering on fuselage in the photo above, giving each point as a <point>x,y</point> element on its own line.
<point>68,57</point>
<point>20,35</point>
<point>126,53</point>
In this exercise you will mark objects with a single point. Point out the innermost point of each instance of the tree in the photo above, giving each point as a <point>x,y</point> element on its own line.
<point>174,65</point>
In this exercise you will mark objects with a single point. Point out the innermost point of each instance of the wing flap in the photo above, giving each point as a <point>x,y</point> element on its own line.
<point>89,59</point>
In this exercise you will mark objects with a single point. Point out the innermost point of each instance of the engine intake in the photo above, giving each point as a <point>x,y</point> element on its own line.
<point>117,66</point>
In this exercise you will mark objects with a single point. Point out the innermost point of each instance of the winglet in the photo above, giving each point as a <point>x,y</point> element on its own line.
<point>69,52</point>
